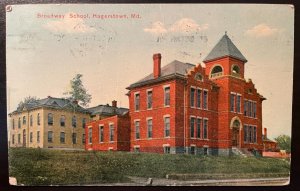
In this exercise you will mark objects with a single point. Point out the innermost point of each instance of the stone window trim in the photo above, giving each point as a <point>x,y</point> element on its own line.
<point>216,74</point>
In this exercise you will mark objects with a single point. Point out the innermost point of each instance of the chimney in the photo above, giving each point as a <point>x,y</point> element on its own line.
<point>156,65</point>
<point>114,103</point>
<point>265,132</point>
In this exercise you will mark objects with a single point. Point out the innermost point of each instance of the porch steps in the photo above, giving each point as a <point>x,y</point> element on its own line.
<point>241,152</point>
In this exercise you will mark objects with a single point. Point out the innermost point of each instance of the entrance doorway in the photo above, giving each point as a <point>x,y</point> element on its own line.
<point>235,132</point>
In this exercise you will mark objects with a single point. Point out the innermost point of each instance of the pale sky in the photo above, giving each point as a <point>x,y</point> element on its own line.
<point>44,54</point>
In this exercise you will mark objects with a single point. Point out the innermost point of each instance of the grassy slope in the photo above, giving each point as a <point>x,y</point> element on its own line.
<point>45,167</point>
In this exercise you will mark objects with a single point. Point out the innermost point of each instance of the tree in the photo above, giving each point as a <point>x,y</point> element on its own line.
<point>284,142</point>
<point>27,100</point>
<point>78,92</point>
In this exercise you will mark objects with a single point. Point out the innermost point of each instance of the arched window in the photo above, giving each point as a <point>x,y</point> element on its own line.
<point>198,77</point>
<point>50,119</point>
<point>19,123</point>
<point>216,71</point>
<point>235,71</point>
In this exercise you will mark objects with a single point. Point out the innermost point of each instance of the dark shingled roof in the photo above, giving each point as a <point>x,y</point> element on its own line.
<point>175,68</point>
<point>51,102</point>
<point>225,47</point>
<point>108,110</point>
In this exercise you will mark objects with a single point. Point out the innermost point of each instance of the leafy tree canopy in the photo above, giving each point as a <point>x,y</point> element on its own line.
<point>27,100</point>
<point>78,91</point>
<point>284,142</point>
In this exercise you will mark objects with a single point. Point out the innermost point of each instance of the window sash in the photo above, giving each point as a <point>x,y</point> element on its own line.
<point>62,121</point>
<point>198,98</point>
<point>238,104</point>
<point>198,128</point>
<point>50,136</point>
<point>83,138</point>
<point>254,110</point>
<point>205,126</point>
<point>149,127</point>
<point>137,130</point>
<point>38,136</point>
<point>254,135</point>
<point>101,134</point>
<point>111,132</point>
<point>192,127</point>
<point>50,119</point>
<point>90,135</point>
<point>74,138</point>
<point>245,133</point>
<point>31,120</point>
<point>167,126</point>
<point>19,123</point>
<point>31,136</point>
<point>83,122</point>
<point>205,99</point>
<point>232,98</point>
<point>149,99</point>
<point>74,121</point>
<point>192,97</point>
<point>62,137</point>
<point>38,119</point>
<point>167,96</point>
<point>137,102</point>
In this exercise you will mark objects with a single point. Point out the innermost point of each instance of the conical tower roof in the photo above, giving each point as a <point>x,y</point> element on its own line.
<point>225,47</point>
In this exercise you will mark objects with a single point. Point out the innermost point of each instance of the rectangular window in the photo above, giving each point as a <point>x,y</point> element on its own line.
<point>149,127</point>
<point>136,149</point>
<point>19,138</point>
<point>245,107</point>
<point>149,99</point>
<point>254,110</point>
<point>101,134</point>
<point>205,99</point>
<point>192,127</point>
<point>38,119</point>
<point>232,96</point>
<point>83,122</point>
<point>137,130</point>
<point>74,138</point>
<point>167,126</point>
<point>24,120</point>
<point>111,132</point>
<point>62,137</point>
<point>238,104</point>
<point>245,133</point>
<point>90,135</point>
<point>74,121</point>
<point>249,109</point>
<point>250,134</point>
<point>31,137</point>
<point>13,139</point>
<point>31,121</point>
<point>62,121</point>
<point>205,124</point>
<point>254,135</point>
<point>13,123</point>
<point>50,136</point>
<point>50,119</point>
<point>83,138</point>
<point>205,151</point>
<point>167,96</point>
<point>167,150</point>
<point>38,136</point>
<point>19,123</point>
<point>192,97</point>
<point>198,127</point>
<point>198,98</point>
<point>137,102</point>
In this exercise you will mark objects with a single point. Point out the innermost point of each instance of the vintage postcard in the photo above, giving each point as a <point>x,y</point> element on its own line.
<point>149,94</point>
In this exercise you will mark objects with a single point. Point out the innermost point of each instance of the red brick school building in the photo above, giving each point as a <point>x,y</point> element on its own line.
<point>186,108</point>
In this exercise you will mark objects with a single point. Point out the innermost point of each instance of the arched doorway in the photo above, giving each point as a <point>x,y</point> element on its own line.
<point>235,127</point>
<point>24,138</point>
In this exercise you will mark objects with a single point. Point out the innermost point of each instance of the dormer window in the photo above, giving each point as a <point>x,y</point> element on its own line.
<point>198,77</point>
<point>216,72</point>
<point>235,71</point>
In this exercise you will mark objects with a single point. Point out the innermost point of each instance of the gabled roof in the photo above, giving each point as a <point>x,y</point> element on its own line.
<point>51,102</point>
<point>225,47</point>
<point>107,110</point>
<point>175,68</point>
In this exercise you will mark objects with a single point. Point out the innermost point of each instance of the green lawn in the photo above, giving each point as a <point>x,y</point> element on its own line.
<point>45,167</point>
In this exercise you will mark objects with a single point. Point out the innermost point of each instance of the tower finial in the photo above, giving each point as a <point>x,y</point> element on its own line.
<point>225,32</point>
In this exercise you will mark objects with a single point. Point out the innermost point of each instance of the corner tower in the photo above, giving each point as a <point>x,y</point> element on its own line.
<point>225,60</point>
